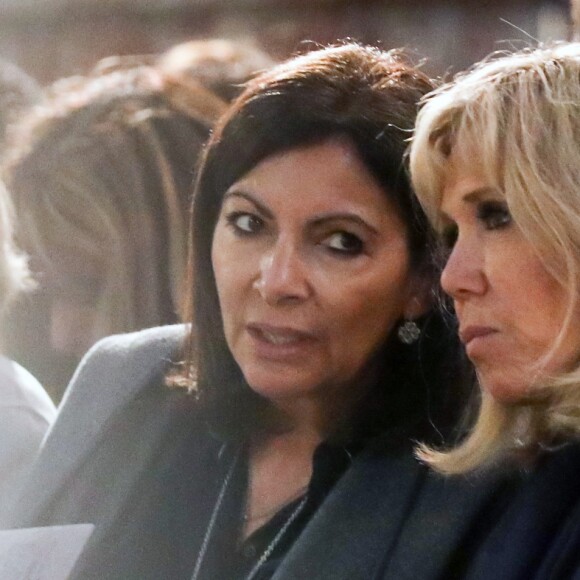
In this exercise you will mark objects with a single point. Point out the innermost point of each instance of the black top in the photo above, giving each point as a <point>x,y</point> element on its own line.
<point>227,558</point>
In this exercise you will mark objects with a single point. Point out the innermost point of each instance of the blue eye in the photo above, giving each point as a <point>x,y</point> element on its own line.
<point>495,215</point>
<point>344,243</point>
<point>244,223</point>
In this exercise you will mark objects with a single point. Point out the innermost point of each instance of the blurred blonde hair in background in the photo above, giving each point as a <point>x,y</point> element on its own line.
<point>101,174</point>
<point>14,274</point>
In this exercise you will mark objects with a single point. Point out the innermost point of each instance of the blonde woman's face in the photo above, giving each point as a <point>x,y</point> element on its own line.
<point>510,309</point>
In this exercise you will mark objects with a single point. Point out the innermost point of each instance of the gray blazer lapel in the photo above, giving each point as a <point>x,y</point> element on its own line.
<point>110,376</point>
<point>358,523</point>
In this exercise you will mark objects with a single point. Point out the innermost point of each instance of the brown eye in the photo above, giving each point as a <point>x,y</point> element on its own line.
<point>244,223</point>
<point>344,243</point>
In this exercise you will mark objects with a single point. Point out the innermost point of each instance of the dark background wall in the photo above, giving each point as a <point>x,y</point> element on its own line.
<point>55,38</point>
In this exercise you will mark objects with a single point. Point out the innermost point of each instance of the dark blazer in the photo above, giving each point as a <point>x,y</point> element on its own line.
<point>537,536</point>
<point>387,517</point>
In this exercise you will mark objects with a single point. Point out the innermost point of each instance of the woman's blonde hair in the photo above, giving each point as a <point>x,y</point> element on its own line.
<point>519,114</point>
<point>14,274</point>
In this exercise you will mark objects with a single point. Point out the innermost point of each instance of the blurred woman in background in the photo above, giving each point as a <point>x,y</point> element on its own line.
<point>26,411</point>
<point>496,164</point>
<point>101,176</point>
<point>19,92</point>
<point>313,362</point>
<point>219,64</point>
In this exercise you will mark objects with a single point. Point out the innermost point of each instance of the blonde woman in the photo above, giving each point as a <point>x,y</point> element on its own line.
<point>496,164</point>
<point>26,411</point>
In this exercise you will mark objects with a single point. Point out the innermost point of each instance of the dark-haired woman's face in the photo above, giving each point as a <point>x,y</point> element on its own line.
<point>312,268</point>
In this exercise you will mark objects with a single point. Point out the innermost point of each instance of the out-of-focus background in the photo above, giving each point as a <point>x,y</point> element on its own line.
<point>102,178</point>
<point>55,38</point>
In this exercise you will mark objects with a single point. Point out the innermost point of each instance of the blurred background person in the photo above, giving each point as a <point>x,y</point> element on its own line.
<point>26,411</point>
<point>101,177</point>
<point>221,65</point>
<point>18,92</point>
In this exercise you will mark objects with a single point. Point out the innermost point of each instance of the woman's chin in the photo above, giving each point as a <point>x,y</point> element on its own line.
<point>504,390</point>
<point>280,392</point>
<point>282,388</point>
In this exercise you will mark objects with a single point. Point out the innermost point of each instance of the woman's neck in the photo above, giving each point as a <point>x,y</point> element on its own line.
<point>314,417</point>
<point>281,453</point>
<point>280,469</point>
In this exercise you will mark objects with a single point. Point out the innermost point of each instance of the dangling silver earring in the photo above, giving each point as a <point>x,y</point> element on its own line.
<point>408,332</point>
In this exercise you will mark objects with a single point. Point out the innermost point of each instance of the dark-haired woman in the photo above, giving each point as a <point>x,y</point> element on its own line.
<point>313,363</point>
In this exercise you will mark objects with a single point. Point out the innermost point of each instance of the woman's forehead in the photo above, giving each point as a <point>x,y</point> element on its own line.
<point>471,153</point>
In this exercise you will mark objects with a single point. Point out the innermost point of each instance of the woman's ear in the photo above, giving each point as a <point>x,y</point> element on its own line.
<point>420,299</point>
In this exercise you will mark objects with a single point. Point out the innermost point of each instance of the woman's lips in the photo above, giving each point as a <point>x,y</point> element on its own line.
<point>475,338</point>
<point>279,342</point>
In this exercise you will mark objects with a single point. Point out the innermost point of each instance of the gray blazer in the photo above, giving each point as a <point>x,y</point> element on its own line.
<point>387,517</point>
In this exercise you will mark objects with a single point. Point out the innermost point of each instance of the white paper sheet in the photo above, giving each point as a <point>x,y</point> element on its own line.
<point>41,553</point>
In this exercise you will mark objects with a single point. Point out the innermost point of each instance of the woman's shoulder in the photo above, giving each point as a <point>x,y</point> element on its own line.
<point>116,371</point>
<point>530,537</point>
<point>139,344</point>
<point>117,395</point>
<point>127,360</point>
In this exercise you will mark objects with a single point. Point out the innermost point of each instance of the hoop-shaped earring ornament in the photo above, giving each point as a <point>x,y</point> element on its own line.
<point>408,332</point>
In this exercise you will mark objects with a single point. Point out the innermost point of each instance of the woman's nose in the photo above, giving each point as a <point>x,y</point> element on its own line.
<point>464,273</point>
<point>283,276</point>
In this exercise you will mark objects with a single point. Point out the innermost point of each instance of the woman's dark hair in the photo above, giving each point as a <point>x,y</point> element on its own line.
<point>363,94</point>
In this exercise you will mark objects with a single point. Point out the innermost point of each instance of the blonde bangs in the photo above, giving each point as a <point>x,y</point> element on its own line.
<point>427,162</point>
<point>447,123</point>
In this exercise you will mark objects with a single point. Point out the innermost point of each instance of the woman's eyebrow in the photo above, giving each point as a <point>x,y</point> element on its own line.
<point>233,193</point>
<point>476,195</point>
<point>316,221</point>
<point>469,198</point>
<point>343,216</point>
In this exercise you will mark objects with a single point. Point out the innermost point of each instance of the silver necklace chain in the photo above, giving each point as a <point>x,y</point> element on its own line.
<point>272,545</point>
<point>215,512</point>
